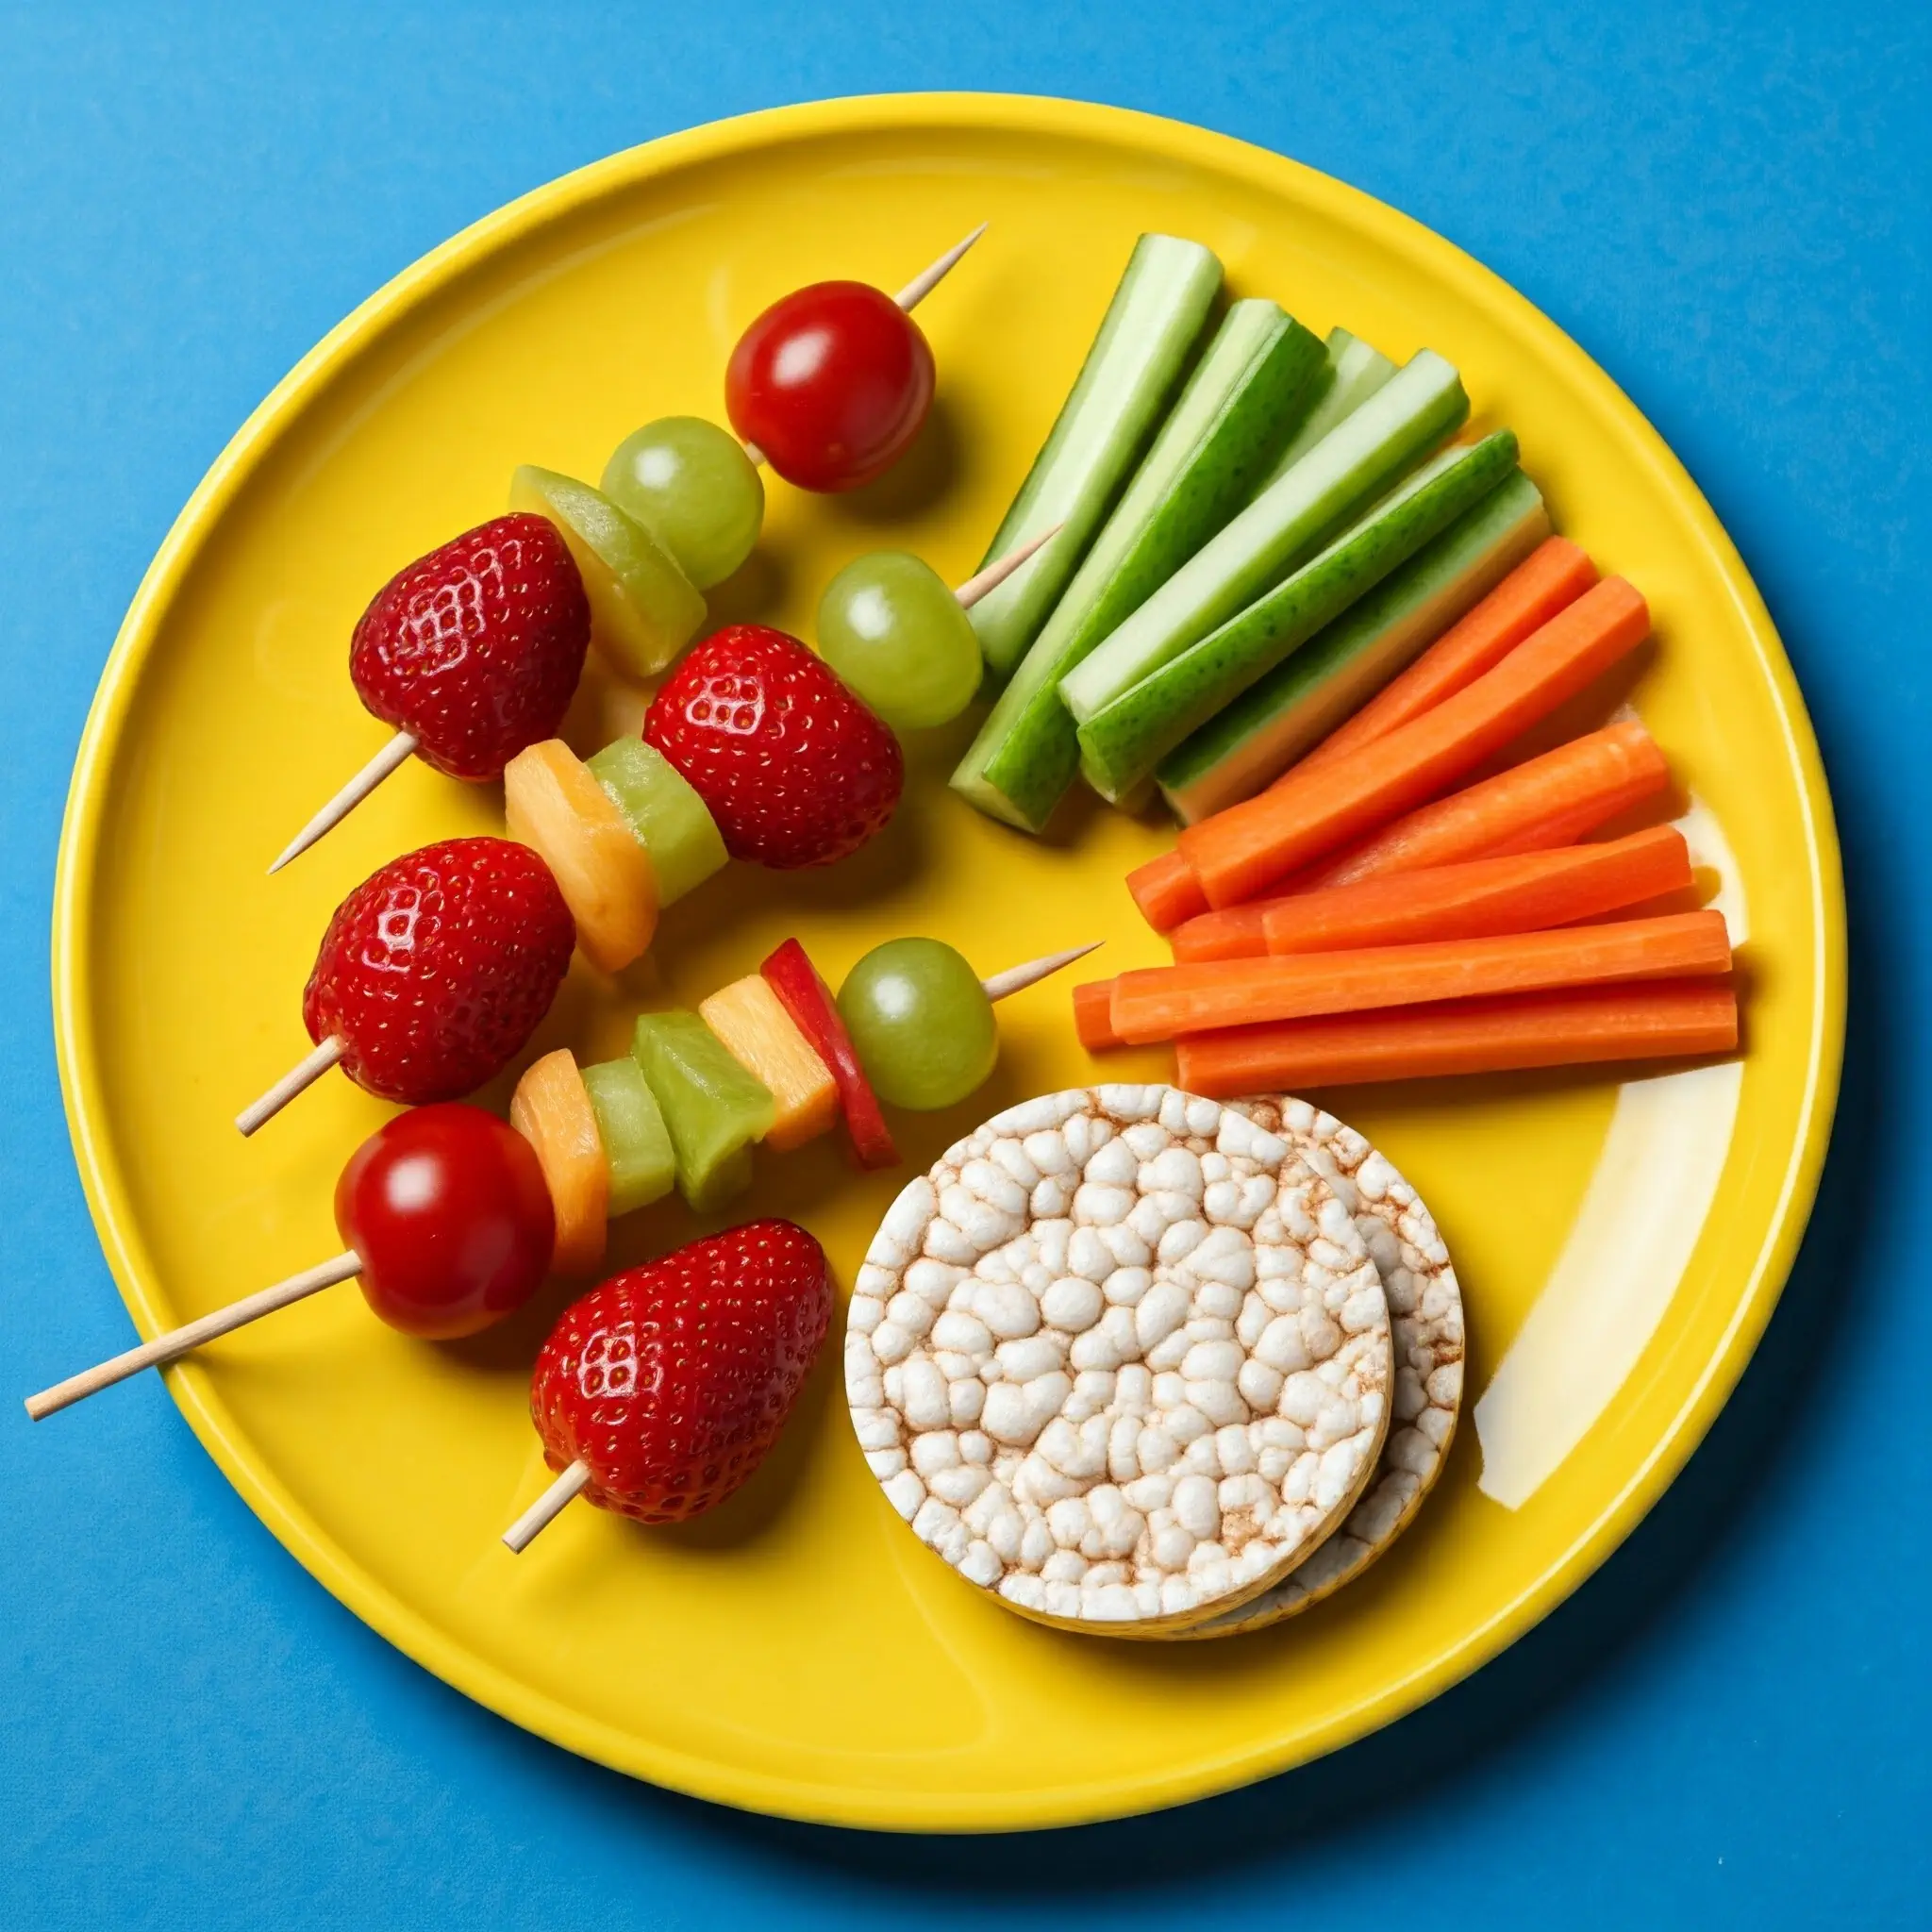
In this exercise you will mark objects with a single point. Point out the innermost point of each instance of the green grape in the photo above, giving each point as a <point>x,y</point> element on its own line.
<point>920,1022</point>
<point>892,629</point>
<point>692,486</point>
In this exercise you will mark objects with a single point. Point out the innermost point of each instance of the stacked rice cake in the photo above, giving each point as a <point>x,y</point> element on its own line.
<point>1123,1359</point>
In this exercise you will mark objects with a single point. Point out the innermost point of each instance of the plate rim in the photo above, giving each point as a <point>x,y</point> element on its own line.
<point>79,1062</point>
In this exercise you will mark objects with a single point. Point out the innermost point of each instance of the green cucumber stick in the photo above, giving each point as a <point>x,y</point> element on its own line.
<point>1356,372</point>
<point>1121,744</point>
<point>1364,456</point>
<point>1255,381</point>
<point>1337,672</point>
<point>1152,324</point>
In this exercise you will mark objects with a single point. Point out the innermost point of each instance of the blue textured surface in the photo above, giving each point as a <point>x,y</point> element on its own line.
<point>1728,206</point>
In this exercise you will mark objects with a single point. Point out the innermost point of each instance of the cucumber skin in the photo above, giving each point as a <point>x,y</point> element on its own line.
<point>1257,550</point>
<point>1025,756</point>
<point>1122,744</point>
<point>1008,619</point>
<point>1362,373</point>
<point>1497,534</point>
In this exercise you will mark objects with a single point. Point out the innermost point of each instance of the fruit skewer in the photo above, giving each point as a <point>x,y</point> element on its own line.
<point>473,651</point>
<point>464,939</point>
<point>451,1219</point>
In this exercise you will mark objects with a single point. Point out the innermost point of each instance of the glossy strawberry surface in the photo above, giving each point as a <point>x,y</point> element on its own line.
<point>795,770</point>
<point>436,970</point>
<point>476,648</point>
<point>673,1381</point>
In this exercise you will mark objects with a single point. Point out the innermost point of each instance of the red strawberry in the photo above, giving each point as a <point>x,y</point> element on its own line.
<point>435,968</point>
<point>476,648</point>
<point>794,769</point>
<point>673,1381</point>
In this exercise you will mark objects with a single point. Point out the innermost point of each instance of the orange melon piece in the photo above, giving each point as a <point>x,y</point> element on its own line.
<point>551,1111</point>
<point>552,804</point>
<point>752,1024</point>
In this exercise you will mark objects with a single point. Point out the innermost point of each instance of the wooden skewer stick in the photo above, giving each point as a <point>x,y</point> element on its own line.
<point>349,798</point>
<point>178,1342</point>
<point>305,1073</point>
<point>926,280</point>
<point>538,1517</point>
<point>1017,978</point>
<point>911,295</point>
<point>1000,569</point>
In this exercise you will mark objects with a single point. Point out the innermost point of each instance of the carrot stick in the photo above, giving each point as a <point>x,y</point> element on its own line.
<point>1165,1001</point>
<point>1500,1035</point>
<point>1167,891</point>
<point>1542,803</point>
<point>1093,1019</point>
<point>1554,574</point>
<point>1238,853</point>
<point>1520,892</point>
<point>1235,933</point>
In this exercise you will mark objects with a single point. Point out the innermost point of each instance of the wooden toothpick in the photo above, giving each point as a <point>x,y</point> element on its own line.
<point>1000,569</point>
<point>178,1342</point>
<point>1016,978</point>
<point>349,798</point>
<point>305,1073</point>
<point>538,1516</point>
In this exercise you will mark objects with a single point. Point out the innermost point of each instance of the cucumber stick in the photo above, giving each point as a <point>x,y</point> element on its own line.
<point>1121,744</point>
<point>1301,701</point>
<point>1131,372</point>
<point>1355,370</point>
<point>1259,377</point>
<point>1364,456</point>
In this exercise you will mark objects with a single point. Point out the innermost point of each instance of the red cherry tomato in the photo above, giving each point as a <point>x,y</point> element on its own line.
<point>448,1209</point>
<point>830,383</point>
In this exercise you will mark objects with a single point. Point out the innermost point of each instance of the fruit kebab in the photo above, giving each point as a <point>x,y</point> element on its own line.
<point>754,749</point>
<point>451,1218</point>
<point>473,651</point>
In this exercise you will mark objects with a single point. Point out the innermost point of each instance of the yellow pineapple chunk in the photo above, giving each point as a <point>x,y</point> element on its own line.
<point>552,804</point>
<point>750,1021</point>
<point>551,1110</point>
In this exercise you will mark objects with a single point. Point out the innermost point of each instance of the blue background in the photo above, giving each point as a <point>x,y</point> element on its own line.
<point>1728,206</point>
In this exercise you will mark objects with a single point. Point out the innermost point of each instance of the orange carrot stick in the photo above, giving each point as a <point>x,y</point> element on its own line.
<point>1093,1017</point>
<point>1522,892</point>
<point>1499,1036</point>
<point>1553,575</point>
<point>1543,803</point>
<point>1239,853</point>
<point>1165,1001</point>
<point>1167,891</point>
<point>1235,933</point>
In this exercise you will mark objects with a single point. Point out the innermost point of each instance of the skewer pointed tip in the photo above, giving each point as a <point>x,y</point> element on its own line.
<point>988,581</point>
<point>305,1073</point>
<point>348,798</point>
<point>922,285</point>
<point>1017,978</point>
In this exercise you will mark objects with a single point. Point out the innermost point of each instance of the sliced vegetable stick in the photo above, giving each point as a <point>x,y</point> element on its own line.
<point>1534,806</point>
<point>1499,1036</point>
<point>1553,576</point>
<point>1524,891</point>
<point>1165,1001</point>
<point>1093,1019</point>
<point>1167,891</point>
<point>1239,853</point>
<point>1236,932</point>
<point>551,1108</point>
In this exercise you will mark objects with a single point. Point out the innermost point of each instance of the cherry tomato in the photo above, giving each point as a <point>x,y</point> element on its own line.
<point>831,383</point>
<point>448,1209</point>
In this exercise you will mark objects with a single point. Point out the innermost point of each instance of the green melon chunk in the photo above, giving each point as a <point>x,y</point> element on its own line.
<point>670,820</point>
<point>637,1144</point>
<point>713,1109</point>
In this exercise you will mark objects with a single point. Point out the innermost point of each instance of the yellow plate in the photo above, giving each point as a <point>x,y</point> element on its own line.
<point>798,1652</point>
